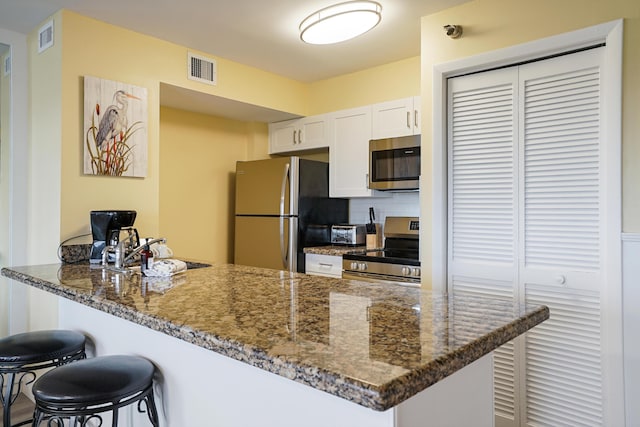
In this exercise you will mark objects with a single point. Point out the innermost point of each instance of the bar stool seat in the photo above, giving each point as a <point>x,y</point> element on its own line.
<point>83,390</point>
<point>23,354</point>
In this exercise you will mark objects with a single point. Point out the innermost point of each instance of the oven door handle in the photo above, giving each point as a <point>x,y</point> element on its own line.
<point>377,278</point>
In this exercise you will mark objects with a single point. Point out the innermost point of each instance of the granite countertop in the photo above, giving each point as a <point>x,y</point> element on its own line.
<point>372,344</point>
<point>335,250</point>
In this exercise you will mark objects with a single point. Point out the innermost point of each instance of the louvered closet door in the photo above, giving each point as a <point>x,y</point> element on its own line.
<point>525,223</point>
<point>482,144</point>
<point>560,237</point>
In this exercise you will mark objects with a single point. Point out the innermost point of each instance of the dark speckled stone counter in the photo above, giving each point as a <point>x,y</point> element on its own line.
<point>334,250</point>
<point>284,323</point>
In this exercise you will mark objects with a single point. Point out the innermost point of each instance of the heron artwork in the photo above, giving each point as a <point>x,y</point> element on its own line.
<point>109,148</point>
<point>114,119</point>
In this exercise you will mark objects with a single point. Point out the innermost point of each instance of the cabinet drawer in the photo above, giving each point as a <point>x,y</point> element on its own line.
<point>323,265</point>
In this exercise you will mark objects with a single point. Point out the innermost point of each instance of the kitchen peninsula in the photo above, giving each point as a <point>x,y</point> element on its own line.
<point>344,353</point>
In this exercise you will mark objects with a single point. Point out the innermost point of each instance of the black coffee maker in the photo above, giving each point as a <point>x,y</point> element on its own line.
<point>105,228</point>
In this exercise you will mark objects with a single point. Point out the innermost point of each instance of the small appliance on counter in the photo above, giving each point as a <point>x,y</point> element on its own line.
<point>105,229</point>
<point>348,234</point>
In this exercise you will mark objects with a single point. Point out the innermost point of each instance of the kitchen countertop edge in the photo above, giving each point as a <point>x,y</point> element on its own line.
<point>378,398</point>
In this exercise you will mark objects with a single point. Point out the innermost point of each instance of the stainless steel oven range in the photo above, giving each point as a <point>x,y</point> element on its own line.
<point>397,262</point>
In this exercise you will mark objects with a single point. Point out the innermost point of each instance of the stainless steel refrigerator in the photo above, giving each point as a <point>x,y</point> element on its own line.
<point>281,204</point>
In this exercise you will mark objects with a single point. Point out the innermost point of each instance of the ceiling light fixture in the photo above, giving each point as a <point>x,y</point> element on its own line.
<point>340,22</point>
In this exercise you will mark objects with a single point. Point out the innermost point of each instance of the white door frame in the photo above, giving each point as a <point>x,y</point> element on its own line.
<point>610,33</point>
<point>18,175</point>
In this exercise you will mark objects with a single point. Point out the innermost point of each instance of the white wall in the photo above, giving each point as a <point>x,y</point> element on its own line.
<point>631,320</point>
<point>13,191</point>
<point>398,204</point>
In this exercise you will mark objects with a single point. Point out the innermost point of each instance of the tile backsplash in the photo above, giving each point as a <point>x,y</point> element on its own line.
<point>399,204</point>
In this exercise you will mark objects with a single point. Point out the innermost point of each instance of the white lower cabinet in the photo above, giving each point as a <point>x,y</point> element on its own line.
<point>323,265</point>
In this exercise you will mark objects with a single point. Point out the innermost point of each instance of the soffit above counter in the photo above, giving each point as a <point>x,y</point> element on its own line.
<point>204,103</point>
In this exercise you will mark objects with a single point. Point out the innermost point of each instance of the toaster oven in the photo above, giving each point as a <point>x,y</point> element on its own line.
<point>347,234</point>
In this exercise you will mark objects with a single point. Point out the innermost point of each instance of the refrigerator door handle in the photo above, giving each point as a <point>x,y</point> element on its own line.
<point>283,190</point>
<point>284,250</point>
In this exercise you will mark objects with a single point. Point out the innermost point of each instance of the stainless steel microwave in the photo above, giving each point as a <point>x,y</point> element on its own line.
<point>394,163</point>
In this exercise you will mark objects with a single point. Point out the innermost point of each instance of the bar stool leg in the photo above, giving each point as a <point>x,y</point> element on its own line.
<point>152,412</point>
<point>37,418</point>
<point>6,398</point>
<point>114,423</point>
<point>12,391</point>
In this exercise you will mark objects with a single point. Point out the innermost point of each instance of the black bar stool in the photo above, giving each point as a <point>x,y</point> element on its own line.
<point>23,354</point>
<point>82,390</point>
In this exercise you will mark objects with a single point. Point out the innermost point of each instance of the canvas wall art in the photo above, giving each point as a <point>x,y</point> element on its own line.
<point>115,128</point>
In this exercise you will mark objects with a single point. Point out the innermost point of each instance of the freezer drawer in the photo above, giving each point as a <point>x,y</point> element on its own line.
<point>259,242</point>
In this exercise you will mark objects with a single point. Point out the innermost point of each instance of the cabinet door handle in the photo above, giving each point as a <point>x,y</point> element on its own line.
<point>409,119</point>
<point>300,136</point>
<point>415,118</point>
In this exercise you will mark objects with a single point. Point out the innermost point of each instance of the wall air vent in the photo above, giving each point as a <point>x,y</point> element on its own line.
<point>202,69</point>
<point>45,37</point>
<point>7,65</point>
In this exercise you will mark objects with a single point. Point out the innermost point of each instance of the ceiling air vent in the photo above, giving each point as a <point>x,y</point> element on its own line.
<point>45,37</point>
<point>7,65</point>
<point>202,69</point>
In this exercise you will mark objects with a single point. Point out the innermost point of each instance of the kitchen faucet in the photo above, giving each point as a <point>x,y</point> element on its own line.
<point>120,249</point>
<point>140,248</point>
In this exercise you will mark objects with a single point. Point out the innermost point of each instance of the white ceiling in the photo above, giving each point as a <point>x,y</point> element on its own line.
<point>259,33</point>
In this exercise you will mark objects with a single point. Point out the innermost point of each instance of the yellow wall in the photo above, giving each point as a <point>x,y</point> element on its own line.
<point>94,48</point>
<point>395,80</point>
<point>495,24</point>
<point>198,156</point>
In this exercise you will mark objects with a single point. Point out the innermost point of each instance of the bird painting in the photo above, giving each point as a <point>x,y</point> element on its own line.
<point>114,120</point>
<point>115,136</point>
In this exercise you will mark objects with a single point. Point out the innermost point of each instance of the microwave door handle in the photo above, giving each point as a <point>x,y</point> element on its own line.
<point>284,249</point>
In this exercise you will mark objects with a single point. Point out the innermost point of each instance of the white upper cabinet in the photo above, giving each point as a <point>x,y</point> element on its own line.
<point>349,132</point>
<point>400,117</point>
<point>306,133</point>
